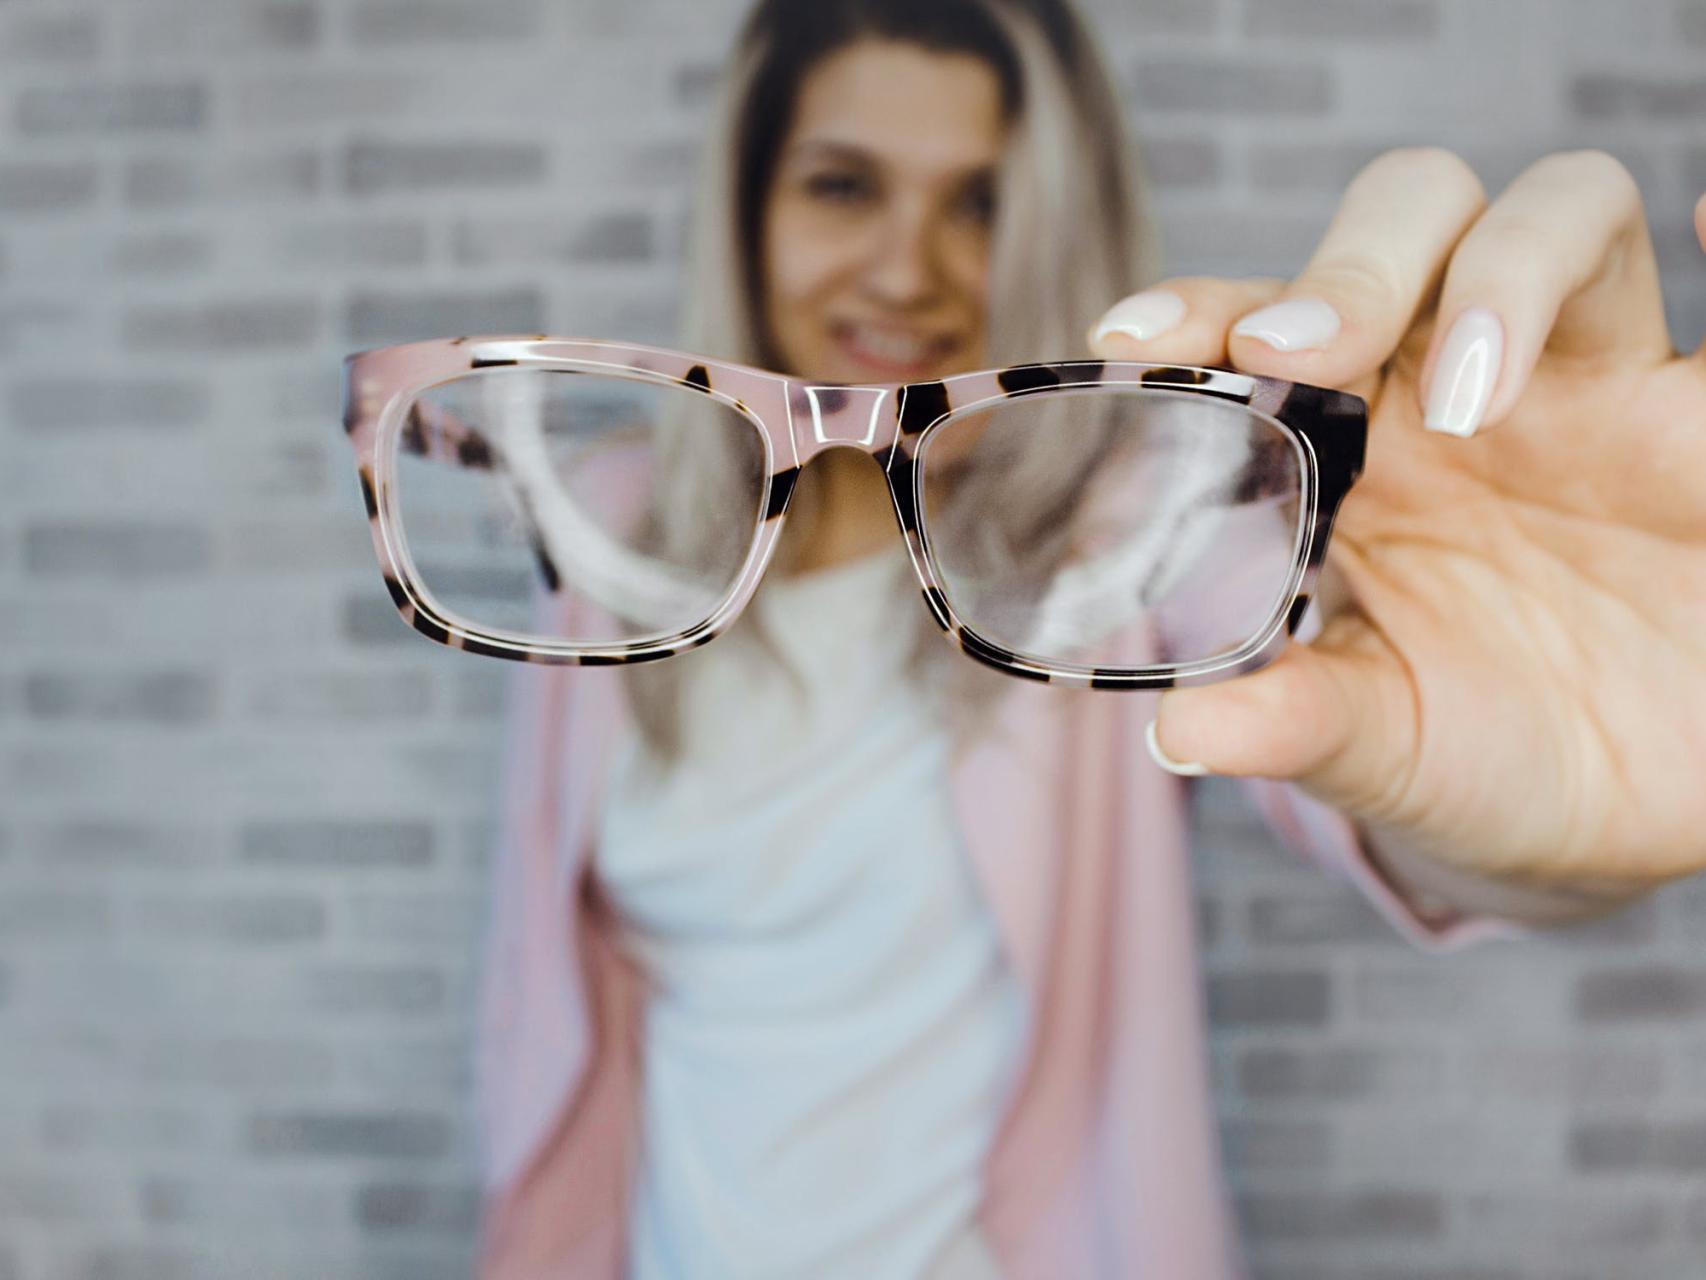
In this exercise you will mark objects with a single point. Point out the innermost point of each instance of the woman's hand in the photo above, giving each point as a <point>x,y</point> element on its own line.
<point>1511,676</point>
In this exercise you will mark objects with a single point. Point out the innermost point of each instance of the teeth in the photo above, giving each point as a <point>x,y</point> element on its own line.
<point>891,347</point>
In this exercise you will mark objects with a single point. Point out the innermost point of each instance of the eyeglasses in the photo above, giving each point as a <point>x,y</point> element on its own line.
<point>1096,524</point>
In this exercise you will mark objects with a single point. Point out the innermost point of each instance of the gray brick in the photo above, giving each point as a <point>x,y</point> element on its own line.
<point>1357,1215</point>
<point>233,919</point>
<point>363,695</point>
<point>284,468</point>
<point>1403,1271</point>
<point>1431,994</point>
<point>461,583</point>
<point>41,1197</point>
<point>622,236</point>
<point>119,109</point>
<point>222,326</point>
<point>246,1066</point>
<point>481,694</point>
<point>413,22</point>
<point>406,1065</point>
<point>1296,1145</point>
<point>1340,1073</point>
<point>1653,993</point>
<point>1316,918</point>
<point>340,245</point>
<point>117,549</point>
<point>60,404</point>
<point>1691,21</point>
<point>105,846</point>
<point>1192,17</point>
<point>1694,181</point>
<point>171,253</point>
<point>367,619</point>
<point>319,844</point>
<point>156,697</point>
<point>1610,1146</point>
<point>1311,166</point>
<point>1560,1225</point>
<point>334,97</point>
<point>358,1134</point>
<point>211,1205</point>
<point>1608,96</point>
<point>1182,163</point>
<point>29,39</point>
<point>1336,20</point>
<point>438,924</point>
<point>1230,87</point>
<point>153,182</point>
<point>1582,1072</point>
<point>1268,999</point>
<point>280,545</point>
<point>413,1206</point>
<point>127,1128</point>
<point>209,30</point>
<point>370,991</point>
<point>47,186</point>
<point>373,319</point>
<point>370,168</point>
<point>54,914</point>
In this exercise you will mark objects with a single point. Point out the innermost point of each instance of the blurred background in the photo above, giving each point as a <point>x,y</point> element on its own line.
<point>244,812</point>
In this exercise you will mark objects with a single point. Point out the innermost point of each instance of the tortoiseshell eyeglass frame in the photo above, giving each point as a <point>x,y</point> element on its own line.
<point>799,419</point>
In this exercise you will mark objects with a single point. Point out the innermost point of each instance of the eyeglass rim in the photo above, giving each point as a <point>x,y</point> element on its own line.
<point>1329,426</point>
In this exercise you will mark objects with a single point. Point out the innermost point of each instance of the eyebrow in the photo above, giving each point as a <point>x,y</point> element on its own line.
<point>836,149</point>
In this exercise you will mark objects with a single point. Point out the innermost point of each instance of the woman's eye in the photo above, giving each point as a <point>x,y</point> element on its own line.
<point>845,188</point>
<point>977,204</point>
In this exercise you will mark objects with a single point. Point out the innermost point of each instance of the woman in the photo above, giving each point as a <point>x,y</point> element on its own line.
<point>946,1026</point>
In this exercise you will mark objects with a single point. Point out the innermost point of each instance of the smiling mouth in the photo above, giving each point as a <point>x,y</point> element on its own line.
<point>890,349</point>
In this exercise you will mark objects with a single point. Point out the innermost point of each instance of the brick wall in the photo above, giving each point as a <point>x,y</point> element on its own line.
<point>243,812</point>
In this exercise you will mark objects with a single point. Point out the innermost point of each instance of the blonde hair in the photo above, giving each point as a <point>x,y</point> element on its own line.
<point>1073,233</point>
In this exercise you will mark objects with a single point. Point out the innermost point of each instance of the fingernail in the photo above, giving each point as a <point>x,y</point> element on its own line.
<point>1143,316</point>
<point>1183,768</point>
<point>1465,373</point>
<point>1297,324</point>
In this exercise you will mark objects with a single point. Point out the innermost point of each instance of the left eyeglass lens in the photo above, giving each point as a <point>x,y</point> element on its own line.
<point>576,507</point>
<point>1108,528</point>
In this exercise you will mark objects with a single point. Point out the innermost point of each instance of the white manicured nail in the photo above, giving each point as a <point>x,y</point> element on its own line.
<point>1297,324</point>
<point>1143,316</point>
<point>1465,373</point>
<point>1182,768</point>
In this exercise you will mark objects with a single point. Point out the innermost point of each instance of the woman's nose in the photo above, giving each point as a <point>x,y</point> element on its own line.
<point>902,269</point>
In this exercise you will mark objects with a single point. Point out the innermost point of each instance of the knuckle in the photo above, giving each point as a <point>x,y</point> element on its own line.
<point>1361,279</point>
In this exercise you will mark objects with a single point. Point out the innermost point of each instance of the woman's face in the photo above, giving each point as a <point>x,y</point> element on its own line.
<point>876,228</point>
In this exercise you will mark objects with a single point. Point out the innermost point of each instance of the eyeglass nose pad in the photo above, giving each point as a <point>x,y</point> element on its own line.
<point>825,416</point>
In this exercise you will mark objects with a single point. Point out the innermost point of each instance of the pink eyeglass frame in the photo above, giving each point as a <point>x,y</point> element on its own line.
<point>797,420</point>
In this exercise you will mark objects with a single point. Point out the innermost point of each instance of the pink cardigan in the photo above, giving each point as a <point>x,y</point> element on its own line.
<point>1106,1163</point>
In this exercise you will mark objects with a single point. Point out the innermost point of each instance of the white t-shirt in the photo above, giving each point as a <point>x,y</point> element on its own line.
<point>831,1027</point>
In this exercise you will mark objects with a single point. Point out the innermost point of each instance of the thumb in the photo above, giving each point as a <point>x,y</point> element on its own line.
<point>1336,716</point>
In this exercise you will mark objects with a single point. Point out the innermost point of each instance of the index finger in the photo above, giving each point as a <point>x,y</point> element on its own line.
<point>1378,264</point>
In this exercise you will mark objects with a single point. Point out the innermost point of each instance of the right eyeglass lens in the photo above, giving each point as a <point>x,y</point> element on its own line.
<point>1114,528</point>
<point>576,507</point>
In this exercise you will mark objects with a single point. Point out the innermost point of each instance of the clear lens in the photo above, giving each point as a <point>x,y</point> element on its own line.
<point>577,507</point>
<point>1106,527</point>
